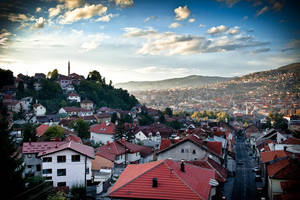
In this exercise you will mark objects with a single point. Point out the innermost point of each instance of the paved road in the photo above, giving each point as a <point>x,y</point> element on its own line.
<point>244,187</point>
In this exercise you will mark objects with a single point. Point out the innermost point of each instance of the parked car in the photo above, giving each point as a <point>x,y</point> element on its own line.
<point>255,169</point>
<point>257,178</point>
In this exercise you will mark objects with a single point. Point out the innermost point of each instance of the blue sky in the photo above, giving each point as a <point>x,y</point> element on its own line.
<point>135,40</point>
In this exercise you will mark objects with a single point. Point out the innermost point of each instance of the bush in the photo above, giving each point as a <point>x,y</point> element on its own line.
<point>78,192</point>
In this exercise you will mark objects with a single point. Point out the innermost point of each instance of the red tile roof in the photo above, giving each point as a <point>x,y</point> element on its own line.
<point>104,128</point>
<point>136,181</point>
<point>291,140</point>
<point>80,148</point>
<point>118,148</point>
<point>267,156</point>
<point>284,169</point>
<point>165,143</point>
<point>73,137</point>
<point>215,147</point>
<point>36,147</point>
<point>41,130</point>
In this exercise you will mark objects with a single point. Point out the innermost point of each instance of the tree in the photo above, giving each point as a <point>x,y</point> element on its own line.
<point>278,121</point>
<point>114,117</point>
<point>13,168</point>
<point>20,90</point>
<point>53,75</point>
<point>50,90</point>
<point>54,132</point>
<point>175,124</point>
<point>126,118</point>
<point>119,132</point>
<point>162,118</point>
<point>81,127</point>
<point>145,119</point>
<point>29,133</point>
<point>169,111</point>
<point>95,76</point>
<point>6,77</point>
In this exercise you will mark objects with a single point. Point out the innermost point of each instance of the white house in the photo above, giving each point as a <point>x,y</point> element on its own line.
<point>74,97</point>
<point>71,111</point>
<point>103,132</point>
<point>68,164</point>
<point>39,110</point>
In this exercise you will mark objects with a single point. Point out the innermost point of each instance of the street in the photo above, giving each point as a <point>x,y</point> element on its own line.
<point>244,185</point>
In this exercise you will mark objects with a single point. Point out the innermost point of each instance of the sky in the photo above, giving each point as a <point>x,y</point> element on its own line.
<point>143,40</point>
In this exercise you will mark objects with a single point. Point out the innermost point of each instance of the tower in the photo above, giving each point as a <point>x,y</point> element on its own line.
<point>69,68</point>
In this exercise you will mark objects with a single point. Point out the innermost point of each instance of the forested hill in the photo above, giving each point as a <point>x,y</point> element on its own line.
<point>51,95</point>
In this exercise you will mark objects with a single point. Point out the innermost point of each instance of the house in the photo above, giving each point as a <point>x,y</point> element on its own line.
<point>39,76</point>
<point>39,110</point>
<point>280,171</point>
<point>48,119</point>
<point>164,179</point>
<point>40,130</point>
<point>193,148</point>
<point>103,117</point>
<point>30,150</point>
<point>75,111</point>
<point>14,106</point>
<point>102,132</point>
<point>121,152</point>
<point>26,102</point>
<point>37,86</point>
<point>101,168</point>
<point>87,104</point>
<point>64,81</point>
<point>69,88</point>
<point>67,164</point>
<point>74,97</point>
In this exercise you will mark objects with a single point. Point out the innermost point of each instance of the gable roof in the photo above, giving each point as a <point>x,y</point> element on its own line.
<point>118,148</point>
<point>36,147</point>
<point>215,147</point>
<point>136,181</point>
<point>41,129</point>
<point>291,140</point>
<point>284,169</point>
<point>80,148</point>
<point>268,156</point>
<point>104,128</point>
<point>101,163</point>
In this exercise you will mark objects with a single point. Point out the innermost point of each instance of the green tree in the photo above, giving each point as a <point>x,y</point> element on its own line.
<point>20,90</point>
<point>13,168</point>
<point>119,132</point>
<point>53,75</point>
<point>81,128</point>
<point>50,90</point>
<point>162,118</point>
<point>145,119</point>
<point>222,117</point>
<point>175,124</point>
<point>6,77</point>
<point>54,132</point>
<point>58,196</point>
<point>95,76</point>
<point>29,133</point>
<point>114,117</point>
<point>169,111</point>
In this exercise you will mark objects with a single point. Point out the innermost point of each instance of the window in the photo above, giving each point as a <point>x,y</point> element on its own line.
<point>48,177</point>
<point>47,159</point>
<point>182,150</point>
<point>29,166</point>
<point>29,156</point>
<point>61,172</point>
<point>38,168</point>
<point>61,184</point>
<point>61,159</point>
<point>75,158</point>
<point>87,170</point>
<point>194,151</point>
<point>47,171</point>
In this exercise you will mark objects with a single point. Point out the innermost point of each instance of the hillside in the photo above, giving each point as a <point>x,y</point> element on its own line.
<point>193,81</point>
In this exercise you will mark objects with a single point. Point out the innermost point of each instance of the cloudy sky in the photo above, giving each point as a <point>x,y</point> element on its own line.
<point>134,40</point>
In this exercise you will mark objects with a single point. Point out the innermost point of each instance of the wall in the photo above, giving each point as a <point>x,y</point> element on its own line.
<point>175,152</point>
<point>75,171</point>
<point>33,160</point>
<point>98,137</point>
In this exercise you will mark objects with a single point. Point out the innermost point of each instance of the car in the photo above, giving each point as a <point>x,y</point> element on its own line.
<point>255,169</point>
<point>257,178</point>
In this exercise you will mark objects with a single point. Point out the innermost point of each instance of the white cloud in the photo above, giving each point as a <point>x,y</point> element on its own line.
<point>123,3</point>
<point>260,50</point>
<point>39,23</point>
<point>4,35</point>
<point>202,25</point>
<point>229,3</point>
<point>215,30</point>
<point>262,11</point>
<point>71,4</point>
<point>292,45</point>
<point>170,43</point>
<point>175,25</point>
<point>85,12</point>
<point>18,17</point>
<point>106,18</point>
<point>150,18</point>
<point>55,11</point>
<point>38,9</point>
<point>234,30</point>
<point>191,20</point>
<point>182,13</point>
<point>92,42</point>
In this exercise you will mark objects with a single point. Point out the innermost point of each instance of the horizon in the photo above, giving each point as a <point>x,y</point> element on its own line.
<point>137,40</point>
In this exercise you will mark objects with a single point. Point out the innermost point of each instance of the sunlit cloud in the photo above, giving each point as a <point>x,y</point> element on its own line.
<point>182,13</point>
<point>262,11</point>
<point>71,4</point>
<point>106,18</point>
<point>175,25</point>
<point>215,30</point>
<point>192,20</point>
<point>229,3</point>
<point>55,11</point>
<point>123,3</point>
<point>38,9</point>
<point>150,18</point>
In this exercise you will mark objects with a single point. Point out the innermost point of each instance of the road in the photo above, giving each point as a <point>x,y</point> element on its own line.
<point>244,187</point>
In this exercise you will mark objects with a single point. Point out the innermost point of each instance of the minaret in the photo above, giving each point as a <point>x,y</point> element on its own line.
<point>69,68</point>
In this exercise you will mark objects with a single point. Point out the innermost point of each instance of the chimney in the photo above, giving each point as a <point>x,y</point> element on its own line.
<point>182,168</point>
<point>69,68</point>
<point>284,148</point>
<point>107,142</point>
<point>154,182</point>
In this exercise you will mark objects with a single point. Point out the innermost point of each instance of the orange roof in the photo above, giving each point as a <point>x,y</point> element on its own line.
<point>101,163</point>
<point>215,147</point>
<point>104,128</point>
<point>136,181</point>
<point>268,156</point>
<point>41,130</point>
<point>276,167</point>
